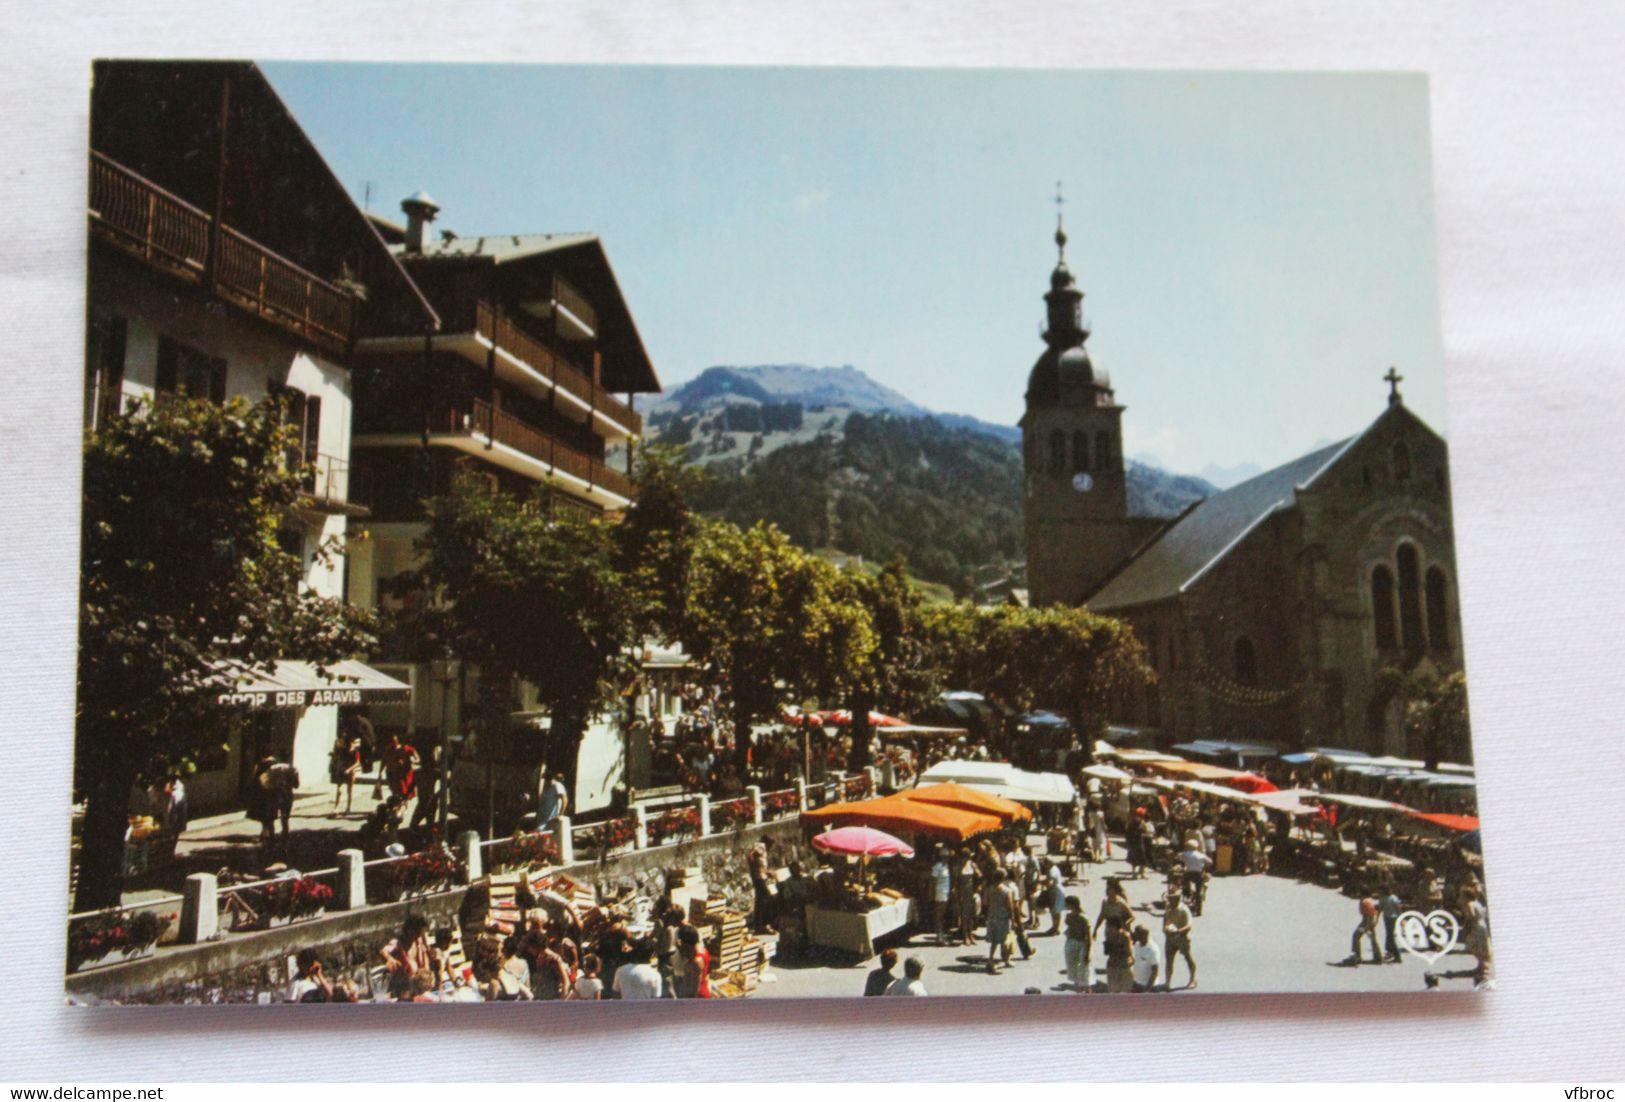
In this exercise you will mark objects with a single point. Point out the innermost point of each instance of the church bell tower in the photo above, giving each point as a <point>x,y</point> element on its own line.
<point>1075,498</point>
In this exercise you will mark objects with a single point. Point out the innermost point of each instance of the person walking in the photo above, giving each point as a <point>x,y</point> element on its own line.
<point>1053,890</point>
<point>1078,946</point>
<point>429,783</point>
<point>1369,909</point>
<point>1390,905</point>
<point>344,762</point>
<point>1097,831</point>
<point>1001,916</point>
<point>1176,930</point>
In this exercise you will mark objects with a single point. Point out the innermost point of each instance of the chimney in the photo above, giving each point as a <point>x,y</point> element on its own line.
<point>420,211</point>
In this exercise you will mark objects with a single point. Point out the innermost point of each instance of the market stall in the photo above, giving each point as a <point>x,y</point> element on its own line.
<point>853,907</point>
<point>854,914</point>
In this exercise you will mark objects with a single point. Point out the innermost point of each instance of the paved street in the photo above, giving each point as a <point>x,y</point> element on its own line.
<point>1256,933</point>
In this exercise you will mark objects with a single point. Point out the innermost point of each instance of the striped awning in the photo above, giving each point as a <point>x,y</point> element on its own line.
<point>292,684</point>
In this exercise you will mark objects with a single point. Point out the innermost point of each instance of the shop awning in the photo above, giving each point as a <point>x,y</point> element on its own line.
<point>1107,773</point>
<point>965,798</point>
<point>291,684</point>
<point>1289,800</point>
<point>1196,770</point>
<point>1003,779</point>
<point>893,813</point>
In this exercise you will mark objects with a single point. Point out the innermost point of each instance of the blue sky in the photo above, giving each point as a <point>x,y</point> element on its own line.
<point>1256,249</point>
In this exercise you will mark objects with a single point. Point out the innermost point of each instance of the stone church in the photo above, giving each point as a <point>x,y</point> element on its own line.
<point>1268,610</point>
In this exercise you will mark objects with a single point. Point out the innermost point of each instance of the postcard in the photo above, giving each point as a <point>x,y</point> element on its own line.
<point>594,533</point>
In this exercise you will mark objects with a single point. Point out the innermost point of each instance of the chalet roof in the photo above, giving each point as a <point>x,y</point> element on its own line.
<point>501,248</point>
<point>1205,533</point>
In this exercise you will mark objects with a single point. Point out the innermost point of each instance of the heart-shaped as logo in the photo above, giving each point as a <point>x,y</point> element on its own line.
<point>1429,936</point>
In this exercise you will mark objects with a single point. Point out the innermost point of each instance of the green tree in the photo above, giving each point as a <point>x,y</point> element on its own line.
<point>1064,658</point>
<point>530,593</point>
<point>1433,708</point>
<point>182,572</point>
<point>657,538</point>
<point>761,613</point>
<point>900,674</point>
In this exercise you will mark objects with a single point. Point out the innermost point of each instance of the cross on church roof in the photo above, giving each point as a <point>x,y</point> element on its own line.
<point>1060,230</point>
<point>1393,379</point>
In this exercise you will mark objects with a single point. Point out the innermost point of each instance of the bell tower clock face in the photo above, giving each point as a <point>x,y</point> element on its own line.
<point>1082,482</point>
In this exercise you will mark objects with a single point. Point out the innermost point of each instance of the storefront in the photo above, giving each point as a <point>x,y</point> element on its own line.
<point>292,712</point>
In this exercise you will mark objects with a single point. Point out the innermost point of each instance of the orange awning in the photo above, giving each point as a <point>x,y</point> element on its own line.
<point>893,813</point>
<point>951,794</point>
<point>1195,770</point>
<point>1451,822</point>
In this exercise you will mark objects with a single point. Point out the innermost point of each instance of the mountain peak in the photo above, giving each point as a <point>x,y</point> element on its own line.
<point>844,386</point>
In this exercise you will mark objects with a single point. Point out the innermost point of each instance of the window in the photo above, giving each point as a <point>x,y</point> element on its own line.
<point>1080,451</point>
<point>183,370</point>
<point>1402,462</point>
<point>1246,662</point>
<point>1057,452</point>
<point>304,413</point>
<point>1382,607</point>
<point>104,369</point>
<point>1365,476</point>
<point>1152,653</point>
<point>1438,621</point>
<point>1410,599</point>
<point>1103,451</point>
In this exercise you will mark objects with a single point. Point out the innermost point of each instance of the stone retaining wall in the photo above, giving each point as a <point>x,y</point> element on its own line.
<point>253,967</point>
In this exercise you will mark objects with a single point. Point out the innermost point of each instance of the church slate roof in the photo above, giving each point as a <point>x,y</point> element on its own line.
<point>1206,532</point>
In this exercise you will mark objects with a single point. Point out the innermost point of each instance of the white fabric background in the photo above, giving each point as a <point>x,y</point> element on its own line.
<point>1529,152</point>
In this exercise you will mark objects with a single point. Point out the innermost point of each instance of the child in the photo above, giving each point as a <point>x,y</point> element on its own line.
<point>588,985</point>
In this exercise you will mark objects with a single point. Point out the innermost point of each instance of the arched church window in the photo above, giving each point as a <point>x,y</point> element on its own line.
<point>1402,462</point>
<point>1057,452</point>
<point>1246,662</point>
<point>1382,607</point>
<point>1080,451</point>
<point>1410,599</point>
<point>1103,451</point>
<point>1438,624</point>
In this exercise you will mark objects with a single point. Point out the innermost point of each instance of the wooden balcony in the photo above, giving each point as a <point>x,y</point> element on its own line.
<point>499,438</point>
<point>562,374</point>
<point>139,217</point>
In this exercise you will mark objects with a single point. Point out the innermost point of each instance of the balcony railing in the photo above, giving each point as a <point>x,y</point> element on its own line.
<point>555,368</point>
<point>142,218</point>
<point>330,481</point>
<point>505,428</point>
